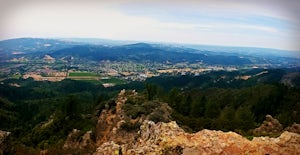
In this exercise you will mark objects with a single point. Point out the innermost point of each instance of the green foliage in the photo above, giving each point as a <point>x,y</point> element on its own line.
<point>135,110</point>
<point>151,90</point>
<point>7,116</point>
<point>156,116</point>
<point>54,130</point>
<point>82,74</point>
<point>232,109</point>
<point>113,80</point>
<point>71,107</point>
<point>212,110</point>
<point>197,107</point>
<point>226,121</point>
<point>186,105</point>
<point>244,118</point>
<point>285,118</point>
<point>41,114</point>
<point>137,106</point>
<point>174,99</point>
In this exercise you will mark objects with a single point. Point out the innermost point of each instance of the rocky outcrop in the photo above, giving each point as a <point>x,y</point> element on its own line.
<point>110,122</point>
<point>270,127</point>
<point>113,136</point>
<point>76,140</point>
<point>293,128</point>
<point>4,145</point>
<point>169,138</point>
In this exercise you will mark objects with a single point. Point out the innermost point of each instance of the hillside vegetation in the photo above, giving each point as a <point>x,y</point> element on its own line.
<point>41,114</point>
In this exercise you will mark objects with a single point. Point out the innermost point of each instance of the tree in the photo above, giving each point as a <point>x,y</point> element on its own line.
<point>197,107</point>
<point>212,110</point>
<point>186,105</point>
<point>70,108</point>
<point>151,90</point>
<point>174,99</point>
<point>226,120</point>
<point>244,118</point>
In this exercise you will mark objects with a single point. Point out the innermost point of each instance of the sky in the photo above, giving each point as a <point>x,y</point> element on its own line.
<point>253,23</point>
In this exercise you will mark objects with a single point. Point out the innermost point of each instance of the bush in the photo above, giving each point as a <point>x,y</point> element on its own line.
<point>128,126</point>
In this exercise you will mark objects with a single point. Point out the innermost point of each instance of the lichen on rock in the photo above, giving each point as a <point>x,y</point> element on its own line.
<point>166,138</point>
<point>169,139</point>
<point>270,127</point>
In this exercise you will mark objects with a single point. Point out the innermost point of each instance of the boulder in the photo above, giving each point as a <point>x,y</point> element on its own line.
<point>270,127</point>
<point>76,140</point>
<point>293,128</point>
<point>4,142</point>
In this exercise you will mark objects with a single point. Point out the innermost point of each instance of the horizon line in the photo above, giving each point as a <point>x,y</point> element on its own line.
<point>154,42</point>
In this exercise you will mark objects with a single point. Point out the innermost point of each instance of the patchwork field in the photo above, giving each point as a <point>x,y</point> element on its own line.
<point>77,74</point>
<point>88,76</point>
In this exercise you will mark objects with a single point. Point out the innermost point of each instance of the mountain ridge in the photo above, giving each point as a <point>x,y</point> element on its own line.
<point>138,51</point>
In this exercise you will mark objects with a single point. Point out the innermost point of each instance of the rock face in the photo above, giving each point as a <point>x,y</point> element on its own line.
<point>4,136</point>
<point>76,140</point>
<point>169,138</point>
<point>270,127</point>
<point>110,122</point>
<point>293,128</point>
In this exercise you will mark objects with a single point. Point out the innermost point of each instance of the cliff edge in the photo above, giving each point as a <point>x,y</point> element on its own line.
<point>169,138</point>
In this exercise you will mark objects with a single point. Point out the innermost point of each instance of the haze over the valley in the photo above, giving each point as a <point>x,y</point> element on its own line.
<point>255,23</point>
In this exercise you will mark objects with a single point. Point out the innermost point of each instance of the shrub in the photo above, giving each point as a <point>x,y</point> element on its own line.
<point>128,126</point>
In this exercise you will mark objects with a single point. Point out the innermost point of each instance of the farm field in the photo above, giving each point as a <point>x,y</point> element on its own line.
<point>113,80</point>
<point>82,74</point>
<point>88,76</point>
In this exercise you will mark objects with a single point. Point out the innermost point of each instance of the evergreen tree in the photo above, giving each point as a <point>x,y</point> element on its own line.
<point>174,99</point>
<point>244,118</point>
<point>212,110</point>
<point>151,90</point>
<point>198,107</point>
<point>70,108</point>
<point>186,105</point>
<point>226,120</point>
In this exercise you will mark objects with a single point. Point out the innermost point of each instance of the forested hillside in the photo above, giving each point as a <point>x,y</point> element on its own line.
<point>40,114</point>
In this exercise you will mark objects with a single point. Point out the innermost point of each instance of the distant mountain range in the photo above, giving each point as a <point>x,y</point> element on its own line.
<point>97,50</point>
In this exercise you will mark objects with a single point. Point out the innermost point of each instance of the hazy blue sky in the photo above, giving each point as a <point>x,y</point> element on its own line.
<point>258,23</point>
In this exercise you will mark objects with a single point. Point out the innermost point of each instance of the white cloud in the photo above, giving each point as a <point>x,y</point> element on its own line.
<point>254,28</point>
<point>105,20</point>
<point>184,26</point>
